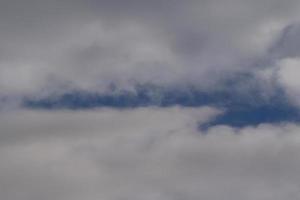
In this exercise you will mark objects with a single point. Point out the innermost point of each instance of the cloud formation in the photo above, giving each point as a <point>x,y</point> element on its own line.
<point>55,46</point>
<point>236,55</point>
<point>144,154</point>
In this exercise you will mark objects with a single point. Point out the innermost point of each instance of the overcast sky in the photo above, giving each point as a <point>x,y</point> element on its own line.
<point>117,136</point>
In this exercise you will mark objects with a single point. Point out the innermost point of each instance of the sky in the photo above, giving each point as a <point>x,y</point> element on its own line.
<point>149,100</point>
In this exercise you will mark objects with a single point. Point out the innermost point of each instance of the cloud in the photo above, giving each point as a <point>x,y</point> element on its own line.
<point>283,64</point>
<point>51,49</point>
<point>144,153</point>
<point>66,45</point>
<point>287,76</point>
<point>288,45</point>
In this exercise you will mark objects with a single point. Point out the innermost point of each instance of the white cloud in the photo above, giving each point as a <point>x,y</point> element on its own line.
<point>287,73</point>
<point>147,153</point>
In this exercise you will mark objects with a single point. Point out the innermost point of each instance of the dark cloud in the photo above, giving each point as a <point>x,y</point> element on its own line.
<point>288,44</point>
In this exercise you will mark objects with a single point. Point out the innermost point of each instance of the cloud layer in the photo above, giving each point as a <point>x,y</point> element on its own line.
<point>147,153</point>
<point>159,62</point>
<point>55,46</point>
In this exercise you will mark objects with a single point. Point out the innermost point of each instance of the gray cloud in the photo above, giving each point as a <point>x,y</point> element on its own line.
<point>288,44</point>
<point>49,47</point>
<point>144,154</point>
<point>62,45</point>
